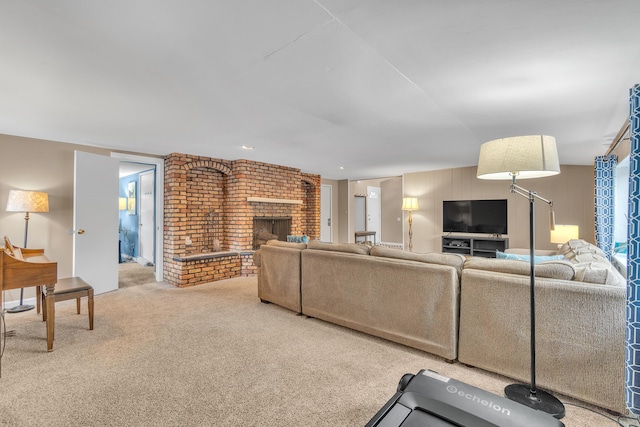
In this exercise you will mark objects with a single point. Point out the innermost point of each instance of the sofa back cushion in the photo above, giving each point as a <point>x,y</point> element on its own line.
<point>579,246</point>
<point>291,245</point>
<point>601,272</point>
<point>557,269</point>
<point>257,255</point>
<point>351,248</point>
<point>453,260</point>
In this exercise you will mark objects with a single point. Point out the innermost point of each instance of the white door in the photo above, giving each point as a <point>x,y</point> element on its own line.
<point>95,221</point>
<point>374,220</point>
<point>146,226</point>
<point>325,214</point>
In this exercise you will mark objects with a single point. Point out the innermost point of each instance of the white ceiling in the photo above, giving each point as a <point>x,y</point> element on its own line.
<point>380,87</point>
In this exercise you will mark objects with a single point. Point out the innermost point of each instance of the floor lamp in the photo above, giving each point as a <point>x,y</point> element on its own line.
<point>524,157</point>
<point>410,204</point>
<point>26,201</point>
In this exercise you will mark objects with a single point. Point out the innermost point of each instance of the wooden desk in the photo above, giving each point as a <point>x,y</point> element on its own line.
<point>33,270</point>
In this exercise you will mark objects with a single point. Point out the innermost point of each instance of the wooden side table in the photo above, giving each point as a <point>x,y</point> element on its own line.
<point>365,234</point>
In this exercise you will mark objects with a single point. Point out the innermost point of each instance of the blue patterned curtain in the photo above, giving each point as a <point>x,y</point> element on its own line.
<point>633,259</point>
<point>605,167</point>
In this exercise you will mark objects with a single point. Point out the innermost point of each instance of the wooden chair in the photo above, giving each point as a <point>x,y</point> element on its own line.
<point>71,288</point>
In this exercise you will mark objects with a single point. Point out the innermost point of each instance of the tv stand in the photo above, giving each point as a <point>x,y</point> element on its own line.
<point>474,246</point>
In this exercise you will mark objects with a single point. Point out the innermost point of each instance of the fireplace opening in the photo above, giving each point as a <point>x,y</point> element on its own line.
<point>269,228</point>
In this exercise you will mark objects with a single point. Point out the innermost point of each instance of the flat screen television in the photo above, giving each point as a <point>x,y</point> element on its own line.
<point>474,216</point>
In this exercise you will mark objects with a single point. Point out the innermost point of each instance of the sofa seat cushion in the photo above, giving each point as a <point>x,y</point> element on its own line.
<point>351,248</point>
<point>453,260</point>
<point>558,269</point>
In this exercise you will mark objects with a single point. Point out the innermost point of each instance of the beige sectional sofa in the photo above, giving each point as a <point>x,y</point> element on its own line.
<point>580,323</point>
<point>475,310</point>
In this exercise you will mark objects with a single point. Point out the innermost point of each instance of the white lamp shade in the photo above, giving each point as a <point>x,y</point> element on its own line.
<point>27,201</point>
<point>564,233</point>
<point>531,156</point>
<point>122,203</point>
<point>410,204</point>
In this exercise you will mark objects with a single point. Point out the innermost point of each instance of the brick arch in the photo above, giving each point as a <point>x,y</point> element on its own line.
<point>311,209</point>
<point>310,182</point>
<point>226,170</point>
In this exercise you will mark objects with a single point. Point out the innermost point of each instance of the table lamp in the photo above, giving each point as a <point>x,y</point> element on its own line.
<point>563,233</point>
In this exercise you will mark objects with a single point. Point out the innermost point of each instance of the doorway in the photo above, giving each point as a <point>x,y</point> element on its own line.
<point>137,224</point>
<point>374,219</point>
<point>382,207</point>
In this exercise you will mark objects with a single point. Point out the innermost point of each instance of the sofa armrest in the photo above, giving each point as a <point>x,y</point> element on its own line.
<point>279,276</point>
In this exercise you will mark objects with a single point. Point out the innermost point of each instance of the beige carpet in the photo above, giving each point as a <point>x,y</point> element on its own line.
<point>134,274</point>
<point>210,355</point>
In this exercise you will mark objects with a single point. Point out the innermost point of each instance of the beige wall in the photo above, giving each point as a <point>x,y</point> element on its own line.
<point>572,192</point>
<point>391,191</point>
<point>344,198</point>
<point>32,164</point>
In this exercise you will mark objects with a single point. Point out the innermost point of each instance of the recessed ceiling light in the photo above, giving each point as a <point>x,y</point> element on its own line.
<point>342,168</point>
<point>247,147</point>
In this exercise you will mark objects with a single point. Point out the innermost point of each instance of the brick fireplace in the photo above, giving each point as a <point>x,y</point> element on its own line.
<point>210,209</point>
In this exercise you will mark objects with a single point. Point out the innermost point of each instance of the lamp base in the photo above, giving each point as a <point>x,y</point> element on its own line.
<point>541,401</point>
<point>20,308</point>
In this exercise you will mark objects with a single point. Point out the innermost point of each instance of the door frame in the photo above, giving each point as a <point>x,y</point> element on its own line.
<point>141,220</point>
<point>326,208</point>
<point>159,205</point>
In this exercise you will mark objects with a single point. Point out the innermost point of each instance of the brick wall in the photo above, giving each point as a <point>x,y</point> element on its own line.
<point>197,188</point>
